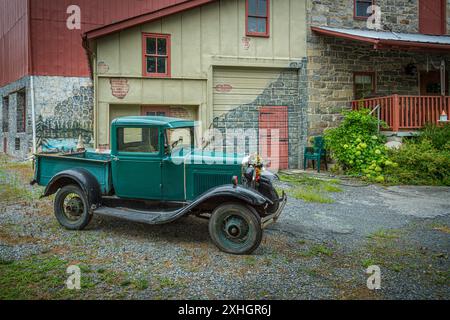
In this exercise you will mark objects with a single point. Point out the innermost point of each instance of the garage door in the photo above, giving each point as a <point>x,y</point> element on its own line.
<point>234,87</point>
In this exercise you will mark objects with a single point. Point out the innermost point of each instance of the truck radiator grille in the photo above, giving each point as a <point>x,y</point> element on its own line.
<point>204,181</point>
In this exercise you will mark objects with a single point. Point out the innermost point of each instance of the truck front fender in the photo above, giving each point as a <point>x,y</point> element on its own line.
<point>78,176</point>
<point>229,193</point>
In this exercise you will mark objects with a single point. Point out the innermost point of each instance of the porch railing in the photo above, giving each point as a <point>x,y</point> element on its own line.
<point>407,112</point>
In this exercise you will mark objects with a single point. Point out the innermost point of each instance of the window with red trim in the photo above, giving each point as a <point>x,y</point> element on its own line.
<point>361,7</point>
<point>156,55</point>
<point>364,84</point>
<point>257,17</point>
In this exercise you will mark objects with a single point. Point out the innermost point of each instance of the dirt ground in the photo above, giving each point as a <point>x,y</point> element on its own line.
<point>329,233</point>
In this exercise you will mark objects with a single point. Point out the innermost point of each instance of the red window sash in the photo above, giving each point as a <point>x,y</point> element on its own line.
<point>266,17</point>
<point>157,36</point>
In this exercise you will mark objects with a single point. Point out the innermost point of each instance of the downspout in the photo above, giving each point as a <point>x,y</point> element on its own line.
<point>33,113</point>
<point>443,80</point>
<point>30,69</point>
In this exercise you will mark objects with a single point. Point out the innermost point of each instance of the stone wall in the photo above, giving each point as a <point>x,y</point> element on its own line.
<point>63,108</point>
<point>398,15</point>
<point>332,61</point>
<point>288,90</point>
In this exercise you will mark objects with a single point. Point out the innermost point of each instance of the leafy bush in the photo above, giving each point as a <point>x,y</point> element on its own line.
<point>420,163</point>
<point>439,136</point>
<point>357,146</point>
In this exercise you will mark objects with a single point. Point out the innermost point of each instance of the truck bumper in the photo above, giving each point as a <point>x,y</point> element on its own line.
<point>267,221</point>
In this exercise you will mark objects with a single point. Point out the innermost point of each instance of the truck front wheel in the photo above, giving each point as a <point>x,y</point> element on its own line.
<point>72,208</point>
<point>235,228</point>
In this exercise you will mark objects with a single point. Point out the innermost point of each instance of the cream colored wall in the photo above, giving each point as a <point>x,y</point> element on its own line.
<point>211,35</point>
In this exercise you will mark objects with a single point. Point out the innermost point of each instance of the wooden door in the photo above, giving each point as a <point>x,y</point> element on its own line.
<point>430,83</point>
<point>273,121</point>
<point>432,16</point>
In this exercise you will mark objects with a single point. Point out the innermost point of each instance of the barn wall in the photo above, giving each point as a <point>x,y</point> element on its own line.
<point>13,40</point>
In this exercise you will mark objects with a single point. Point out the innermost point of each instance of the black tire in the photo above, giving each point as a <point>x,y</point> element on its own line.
<point>79,216</point>
<point>240,236</point>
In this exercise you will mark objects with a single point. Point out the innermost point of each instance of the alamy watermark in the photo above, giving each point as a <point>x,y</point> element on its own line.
<point>374,280</point>
<point>73,282</point>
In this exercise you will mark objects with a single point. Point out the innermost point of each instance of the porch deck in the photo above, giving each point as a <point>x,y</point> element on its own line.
<point>406,112</point>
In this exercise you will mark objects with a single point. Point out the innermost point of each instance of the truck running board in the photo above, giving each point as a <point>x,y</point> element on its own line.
<point>148,217</point>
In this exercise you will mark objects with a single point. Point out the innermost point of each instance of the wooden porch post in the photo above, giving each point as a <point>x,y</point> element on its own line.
<point>396,113</point>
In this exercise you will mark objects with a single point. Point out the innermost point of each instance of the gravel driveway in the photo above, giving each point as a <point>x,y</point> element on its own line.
<point>315,251</point>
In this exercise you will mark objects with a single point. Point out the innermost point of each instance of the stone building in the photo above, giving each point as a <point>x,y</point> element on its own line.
<point>349,58</point>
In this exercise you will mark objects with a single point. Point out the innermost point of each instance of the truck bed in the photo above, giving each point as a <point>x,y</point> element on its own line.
<point>48,165</point>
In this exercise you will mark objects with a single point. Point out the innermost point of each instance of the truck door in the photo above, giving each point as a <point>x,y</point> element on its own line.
<point>136,162</point>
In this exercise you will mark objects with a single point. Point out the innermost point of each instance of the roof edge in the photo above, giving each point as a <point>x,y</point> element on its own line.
<point>144,18</point>
<point>382,43</point>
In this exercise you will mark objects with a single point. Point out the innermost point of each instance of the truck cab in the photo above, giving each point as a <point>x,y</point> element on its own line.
<point>156,173</point>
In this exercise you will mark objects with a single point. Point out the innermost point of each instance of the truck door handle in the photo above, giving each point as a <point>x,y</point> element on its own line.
<point>114,158</point>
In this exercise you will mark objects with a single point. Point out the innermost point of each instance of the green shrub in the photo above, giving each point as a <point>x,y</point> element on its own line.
<point>419,163</point>
<point>439,136</point>
<point>357,146</point>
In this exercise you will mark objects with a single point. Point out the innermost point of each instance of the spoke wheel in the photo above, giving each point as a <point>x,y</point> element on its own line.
<point>235,228</point>
<point>72,208</point>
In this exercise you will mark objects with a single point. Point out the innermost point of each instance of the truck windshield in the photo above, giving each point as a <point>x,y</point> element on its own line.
<point>179,138</point>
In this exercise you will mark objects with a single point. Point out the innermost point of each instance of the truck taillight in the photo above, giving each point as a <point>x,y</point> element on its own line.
<point>234,180</point>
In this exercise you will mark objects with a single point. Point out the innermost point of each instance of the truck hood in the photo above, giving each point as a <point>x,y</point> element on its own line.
<point>199,156</point>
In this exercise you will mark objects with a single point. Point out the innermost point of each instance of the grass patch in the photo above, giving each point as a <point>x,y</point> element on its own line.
<point>310,189</point>
<point>317,251</point>
<point>165,282</point>
<point>444,229</point>
<point>250,260</point>
<point>140,284</point>
<point>367,262</point>
<point>384,234</point>
<point>309,195</point>
<point>33,278</point>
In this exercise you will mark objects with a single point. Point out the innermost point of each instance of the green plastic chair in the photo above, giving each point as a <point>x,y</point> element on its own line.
<point>316,153</point>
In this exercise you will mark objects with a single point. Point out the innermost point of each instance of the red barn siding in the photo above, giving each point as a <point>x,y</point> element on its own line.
<point>56,50</point>
<point>13,40</point>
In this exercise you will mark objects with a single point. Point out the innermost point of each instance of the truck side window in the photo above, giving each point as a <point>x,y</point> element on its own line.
<point>143,140</point>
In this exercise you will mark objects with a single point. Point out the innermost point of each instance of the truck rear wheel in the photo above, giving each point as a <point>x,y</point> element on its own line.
<point>72,208</point>
<point>235,228</point>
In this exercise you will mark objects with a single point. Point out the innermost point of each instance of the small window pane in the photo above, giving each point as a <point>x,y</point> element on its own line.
<point>364,86</point>
<point>252,7</point>
<point>151,64</point>
<point>262,8</point>
<point>137,140</point>
<point>361,8</point>
<point>151,45</point>
<point>161,65</point>
<point>262,25</point>
<point>252,25</point>
<point>162,46</point>
<point>363,79</point>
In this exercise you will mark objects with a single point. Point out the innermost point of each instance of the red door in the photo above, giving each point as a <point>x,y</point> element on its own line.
<point>273,136</point>
<point>432,16</point>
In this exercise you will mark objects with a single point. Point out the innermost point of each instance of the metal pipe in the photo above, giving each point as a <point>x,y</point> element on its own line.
<point>33,113</point>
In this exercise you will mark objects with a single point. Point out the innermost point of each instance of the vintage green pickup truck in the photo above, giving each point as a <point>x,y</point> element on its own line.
<point>155,174</point>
